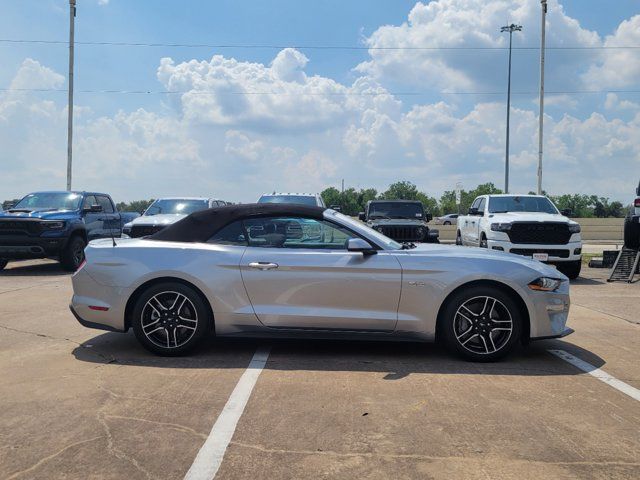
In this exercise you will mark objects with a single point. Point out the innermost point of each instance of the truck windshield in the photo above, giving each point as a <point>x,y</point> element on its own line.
<point>176,206</point>
<point>49,201</point>
<point>298,199</point>
<point>396,210</point>
<point>521,204</point>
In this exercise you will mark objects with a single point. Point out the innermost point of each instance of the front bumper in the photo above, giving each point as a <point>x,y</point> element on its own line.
<point>571,252</point>
<point>22,247</point>
<point>548,312</point>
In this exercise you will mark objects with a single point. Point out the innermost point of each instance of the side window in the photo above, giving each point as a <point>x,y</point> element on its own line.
<point>88,201</point>
<point>232,234</point>
<point>482,204</point>
<point>296,232</point>
<point>107,207</point>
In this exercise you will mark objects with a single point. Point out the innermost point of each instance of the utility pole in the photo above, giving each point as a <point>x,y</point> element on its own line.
<point>509,28</point>
<point>72,16</point>
<point>543,4</point>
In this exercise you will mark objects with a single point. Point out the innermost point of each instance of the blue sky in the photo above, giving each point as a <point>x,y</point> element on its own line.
<point>433,139</point>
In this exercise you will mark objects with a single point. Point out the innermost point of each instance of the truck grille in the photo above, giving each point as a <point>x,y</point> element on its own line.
<point>404,233</point>
<point>540,233</point>
<point>20,227</point>
<point>138,231</point>
<point>528,252</point>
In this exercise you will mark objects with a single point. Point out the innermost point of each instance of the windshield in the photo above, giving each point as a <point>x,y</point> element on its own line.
<point>176,206</point>
<point>49,201</point>
<point>367,231</point>
<point>396,210</point>
<point>299,199</point>
<point>521,204</point>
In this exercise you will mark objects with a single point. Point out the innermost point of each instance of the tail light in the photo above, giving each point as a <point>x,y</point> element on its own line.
<point>637,202</point>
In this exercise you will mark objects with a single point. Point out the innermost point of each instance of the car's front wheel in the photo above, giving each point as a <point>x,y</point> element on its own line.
<point>458,238</point>
<point>170,319</point>
<point>481,324</point>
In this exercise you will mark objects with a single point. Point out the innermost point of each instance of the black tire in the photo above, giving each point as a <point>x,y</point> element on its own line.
<point>187,334</point>
<point>458,238</point>
<point>447,223</point>
<point>73,254</point>
<point>481,337</point>
<point>3,263</point>
<point>570,269</point>
<point>483,242</point>
<point>631,234</point>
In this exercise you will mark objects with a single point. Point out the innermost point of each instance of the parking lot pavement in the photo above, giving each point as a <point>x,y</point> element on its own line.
<point>80,403</point>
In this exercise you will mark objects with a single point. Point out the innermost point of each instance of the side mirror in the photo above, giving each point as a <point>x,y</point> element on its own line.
<point>337,208</point>
<point>361,216</point>
<point>360,245</point>
<point>567,212</point>
<point>93,209</point>
<point>473,211</point>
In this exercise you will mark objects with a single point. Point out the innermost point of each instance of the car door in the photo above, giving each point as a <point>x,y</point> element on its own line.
<point>477,223</point>
<point>468,230</point>
<point>93,221</point>
<point>296,278</point>
<point>111,219</point>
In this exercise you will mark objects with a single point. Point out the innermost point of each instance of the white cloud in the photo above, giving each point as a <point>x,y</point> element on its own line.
<point>618,68</point>
<point>450,24</point>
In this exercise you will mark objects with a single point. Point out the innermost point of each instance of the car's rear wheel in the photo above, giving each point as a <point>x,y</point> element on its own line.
<point>73,254</point>
<point>570,269</point>
<point>631,234</point>
<point>458,238</point>
<point>483,242</point>
<point>447,223</point>
<point>3,263</point>
<point>170,319</point>
<point>481,324</point>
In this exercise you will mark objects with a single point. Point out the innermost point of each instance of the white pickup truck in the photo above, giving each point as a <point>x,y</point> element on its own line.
<point>528,225</point>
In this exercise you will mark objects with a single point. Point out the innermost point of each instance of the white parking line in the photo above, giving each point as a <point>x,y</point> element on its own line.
<point>597,373</point>
<point>209,458</point>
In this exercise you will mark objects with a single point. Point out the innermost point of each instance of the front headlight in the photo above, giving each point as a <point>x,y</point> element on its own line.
<point>545,284</point>
<point>53,225</point>
<point>500,227</point>
<point>574,228</point>
<point>420,232</point>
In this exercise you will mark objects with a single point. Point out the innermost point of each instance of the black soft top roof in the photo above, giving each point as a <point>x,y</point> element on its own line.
<point>200,226</point>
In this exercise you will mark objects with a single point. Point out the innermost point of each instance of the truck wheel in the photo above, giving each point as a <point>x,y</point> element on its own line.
<point>631,235</point>
<point>481,324</point>
<point>458,238</point>
<point>571,269</point>
<point>3,263</point>
<point>483,242</point>
<point>73,254</point>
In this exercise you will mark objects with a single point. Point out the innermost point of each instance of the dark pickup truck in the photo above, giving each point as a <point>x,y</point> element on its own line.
<point>57,225</point>
<point>401,220</point>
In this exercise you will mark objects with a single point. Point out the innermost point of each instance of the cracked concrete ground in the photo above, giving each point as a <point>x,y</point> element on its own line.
<point>79,403</point>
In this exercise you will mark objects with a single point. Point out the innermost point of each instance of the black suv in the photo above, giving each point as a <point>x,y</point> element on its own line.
<point>401,220</point>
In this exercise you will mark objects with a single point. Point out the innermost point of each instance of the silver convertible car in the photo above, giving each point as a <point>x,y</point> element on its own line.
<point>257,271</point>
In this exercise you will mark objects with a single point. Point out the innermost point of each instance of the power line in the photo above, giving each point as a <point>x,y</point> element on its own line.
<point>319,94</point>
<point>303,47</point>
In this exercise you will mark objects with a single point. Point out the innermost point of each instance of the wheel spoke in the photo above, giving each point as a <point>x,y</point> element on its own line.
<point>464,333</point>
<point>155,330</point>
<point>158,304</point>
<point>492,342</point>
<point>470,312</point>
<point>187,319</point>
<point>486,348</point>
<point>181,305</point>
<point>150,324</point>
<point>472,336</point>
<point>175,301</point>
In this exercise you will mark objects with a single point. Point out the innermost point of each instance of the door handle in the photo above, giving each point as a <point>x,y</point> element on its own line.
<point>263,265</point>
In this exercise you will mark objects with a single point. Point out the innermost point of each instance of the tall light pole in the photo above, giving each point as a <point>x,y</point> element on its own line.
<point>509,28</point>
<point>543,4</point>
<point>72,16</point>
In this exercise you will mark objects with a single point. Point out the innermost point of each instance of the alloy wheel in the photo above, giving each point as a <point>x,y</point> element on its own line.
<point>483,325</point>
<point>169,319</point>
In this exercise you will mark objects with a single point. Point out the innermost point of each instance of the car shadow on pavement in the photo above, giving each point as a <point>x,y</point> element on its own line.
<point>394,359</point>
<point>29,269</point>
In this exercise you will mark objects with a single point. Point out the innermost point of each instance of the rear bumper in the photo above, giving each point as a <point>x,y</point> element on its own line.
<point>88,324</point>
<point>23,247</point>
<point>565,332</point>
